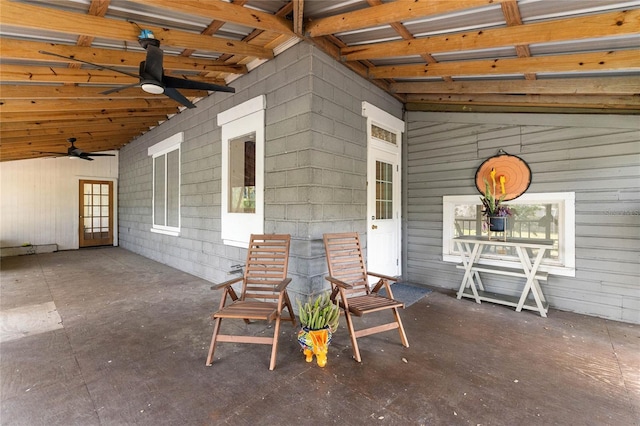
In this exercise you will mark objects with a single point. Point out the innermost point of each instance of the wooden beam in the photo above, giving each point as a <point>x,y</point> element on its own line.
<point>506,109</point>
<point>569,86</point>
<point>582,101</point>
<point>397,11</point>
<point>585,27</point>
<point>30,51</point>
<point>228,12</point>
<point>584,62</point>
<point>298,17</point>
<point>33,17</point>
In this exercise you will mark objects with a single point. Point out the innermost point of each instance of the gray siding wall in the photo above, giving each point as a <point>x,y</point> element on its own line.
<point>597,157</point>
<point>315,168</point>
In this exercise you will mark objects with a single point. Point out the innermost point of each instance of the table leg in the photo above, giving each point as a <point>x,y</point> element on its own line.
<point>468,257</point>
<point>530,270</point>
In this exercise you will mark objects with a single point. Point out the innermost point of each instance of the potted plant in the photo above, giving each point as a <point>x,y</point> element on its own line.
<point>319,319</point>
<point>493,210</point>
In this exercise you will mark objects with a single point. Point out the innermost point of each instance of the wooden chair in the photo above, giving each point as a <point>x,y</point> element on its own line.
<point>349,279</point>
<point>263,295</point>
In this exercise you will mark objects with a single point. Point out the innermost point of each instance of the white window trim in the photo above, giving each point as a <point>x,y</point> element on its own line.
<point>243,119</point>
<point>565,266</point>
<point>170,144</point>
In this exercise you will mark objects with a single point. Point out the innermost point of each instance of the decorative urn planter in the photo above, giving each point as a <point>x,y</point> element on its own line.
<point>315,342</point>
<point>319,319</point>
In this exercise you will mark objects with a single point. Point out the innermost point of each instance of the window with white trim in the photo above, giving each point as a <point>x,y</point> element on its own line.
<point>536,217</point>
<point>166,185</point>
<point>242,201</point>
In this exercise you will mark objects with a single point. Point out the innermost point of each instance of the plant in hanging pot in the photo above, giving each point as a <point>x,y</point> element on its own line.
<point>493,210</point>
<point>319,318</point>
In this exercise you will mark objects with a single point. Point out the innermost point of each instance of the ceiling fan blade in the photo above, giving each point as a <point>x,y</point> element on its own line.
<point>89,63</point>
<point>182,83</point>
<point>84,157</point>
<point>117,89</point>
<point>49,152</point>
<point>153,64</point>
<point>94,154</point>
<point>178,97</point>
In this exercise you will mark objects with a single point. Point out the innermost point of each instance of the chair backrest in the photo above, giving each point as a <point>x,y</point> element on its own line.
<point>266,266</point>
<point>345,261</point>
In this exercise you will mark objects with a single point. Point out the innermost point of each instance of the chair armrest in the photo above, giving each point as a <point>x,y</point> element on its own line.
<point>386,277</point>
<point>226,283</point>
<point>384,281</point>
<point>338,282</point>
<point>283,284</point>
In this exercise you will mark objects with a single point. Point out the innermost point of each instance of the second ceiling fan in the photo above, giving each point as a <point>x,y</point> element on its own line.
<point>151,74</point>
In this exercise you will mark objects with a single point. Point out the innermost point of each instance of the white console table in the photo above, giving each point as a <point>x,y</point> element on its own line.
<point>471,248</point>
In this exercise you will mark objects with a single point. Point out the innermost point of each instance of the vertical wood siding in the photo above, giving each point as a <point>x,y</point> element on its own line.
<point>597,157</point>
<point>39,199</point>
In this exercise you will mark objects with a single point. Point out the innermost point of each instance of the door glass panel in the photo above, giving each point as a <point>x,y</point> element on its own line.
<point>105,189</point>
<point>384,190</point>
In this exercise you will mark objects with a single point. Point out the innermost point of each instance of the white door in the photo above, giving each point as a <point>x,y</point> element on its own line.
<point>383,208</point>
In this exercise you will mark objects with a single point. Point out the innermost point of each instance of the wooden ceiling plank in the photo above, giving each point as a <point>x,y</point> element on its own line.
<point>29,16</point>
<point>584,62</point>
<point>75,115</point>
<point>30,51</point>
<point>35,74</point>
<point>48,105</point>
<point>585,27</point>
<point>397,11</point>
<point>52,139</point>
<point>39,91</point>
<point>569,86</point>
<point>70,130</point>
<point>73,122</point>
<point>228,12</point>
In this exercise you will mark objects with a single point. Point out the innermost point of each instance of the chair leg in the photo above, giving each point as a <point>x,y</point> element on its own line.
<point>289,309</point>
<point>212,347</point>
<point>352,333</point>
<point>274,346</point>
<point>403,335</point>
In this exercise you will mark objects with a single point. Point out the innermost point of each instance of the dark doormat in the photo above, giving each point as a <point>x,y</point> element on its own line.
<point>409,294</point>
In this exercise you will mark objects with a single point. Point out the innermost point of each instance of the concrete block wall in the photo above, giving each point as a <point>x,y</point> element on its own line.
<point>315,169</point>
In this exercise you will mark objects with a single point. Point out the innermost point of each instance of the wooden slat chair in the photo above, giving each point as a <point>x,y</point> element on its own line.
<point>263,295</point>
<point>349,279</point>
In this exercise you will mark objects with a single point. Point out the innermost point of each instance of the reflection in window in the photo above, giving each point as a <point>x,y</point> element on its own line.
<point>383,134</point>
<point>242,174</point>
<point>529,221</point>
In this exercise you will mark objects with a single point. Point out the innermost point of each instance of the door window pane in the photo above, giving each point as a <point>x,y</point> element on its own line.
<point>384,190</point>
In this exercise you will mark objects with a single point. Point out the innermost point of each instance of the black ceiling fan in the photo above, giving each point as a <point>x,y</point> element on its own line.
<point>73,152</point>
<point>151,74</point>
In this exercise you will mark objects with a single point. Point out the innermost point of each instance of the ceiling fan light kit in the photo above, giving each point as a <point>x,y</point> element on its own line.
<point>74,153</point>
<point>152,87</point>
<point>151,74</point>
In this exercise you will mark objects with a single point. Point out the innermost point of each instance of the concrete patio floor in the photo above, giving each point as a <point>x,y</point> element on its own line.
<point>130,343</point>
